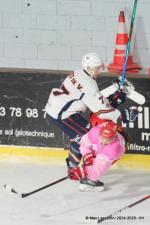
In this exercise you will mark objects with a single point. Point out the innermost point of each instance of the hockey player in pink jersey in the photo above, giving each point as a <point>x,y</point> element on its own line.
<point>100,148</point>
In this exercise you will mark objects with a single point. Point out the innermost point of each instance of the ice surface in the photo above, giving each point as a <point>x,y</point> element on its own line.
<point>63,204</point>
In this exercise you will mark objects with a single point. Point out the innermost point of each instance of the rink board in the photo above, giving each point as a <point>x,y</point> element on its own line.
<point>57,156</point>
<point>33,154</point>
<point>24,121</point>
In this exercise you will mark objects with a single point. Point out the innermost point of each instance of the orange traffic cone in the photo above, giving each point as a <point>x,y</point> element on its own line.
<point>120,51</point>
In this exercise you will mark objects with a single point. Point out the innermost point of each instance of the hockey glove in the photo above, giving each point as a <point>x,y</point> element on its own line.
<point>130,115</point>
<point>76,173</point>
<point>88,159</point>
<point>117,98</point>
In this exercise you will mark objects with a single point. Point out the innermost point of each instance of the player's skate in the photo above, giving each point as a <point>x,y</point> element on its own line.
<point>89,185</point>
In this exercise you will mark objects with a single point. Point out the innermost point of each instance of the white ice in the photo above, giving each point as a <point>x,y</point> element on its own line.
<point>63,203</point>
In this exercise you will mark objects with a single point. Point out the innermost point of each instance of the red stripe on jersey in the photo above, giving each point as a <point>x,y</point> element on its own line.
<point>105,111</point>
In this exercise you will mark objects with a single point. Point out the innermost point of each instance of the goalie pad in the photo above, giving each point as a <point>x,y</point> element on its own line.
<point>128,88</point>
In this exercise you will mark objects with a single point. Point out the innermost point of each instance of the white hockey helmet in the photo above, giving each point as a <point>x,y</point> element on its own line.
<point>92,60</point>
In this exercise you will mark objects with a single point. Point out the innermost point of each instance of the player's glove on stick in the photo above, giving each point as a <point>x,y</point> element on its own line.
<point>117,98</point>
<point>77,173</point>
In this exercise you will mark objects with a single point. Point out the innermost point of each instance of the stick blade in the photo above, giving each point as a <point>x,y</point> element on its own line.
<point>137,97</point>
<point>10,189</point>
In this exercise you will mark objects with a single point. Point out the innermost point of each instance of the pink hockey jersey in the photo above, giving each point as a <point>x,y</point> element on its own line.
<point>105,154</point>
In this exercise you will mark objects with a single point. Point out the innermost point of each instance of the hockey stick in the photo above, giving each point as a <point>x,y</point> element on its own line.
<point>129,43</point>
<point>24,195</point>
<point>121,210</point>
<point>133,95</point>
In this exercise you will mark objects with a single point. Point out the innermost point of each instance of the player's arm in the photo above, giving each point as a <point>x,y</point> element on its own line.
<point>101,106</point>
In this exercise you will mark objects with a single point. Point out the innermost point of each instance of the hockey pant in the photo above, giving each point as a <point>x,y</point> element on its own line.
<point>74,127</point>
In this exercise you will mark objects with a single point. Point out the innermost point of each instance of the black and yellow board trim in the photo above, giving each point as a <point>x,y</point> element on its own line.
<point>58,156</point>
